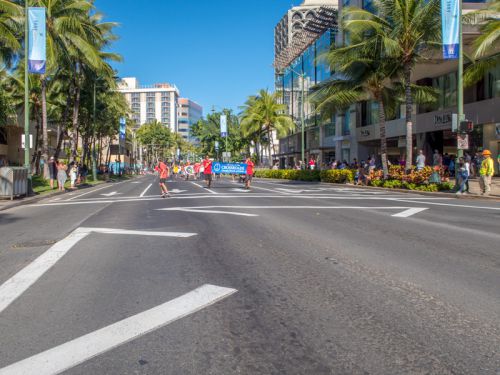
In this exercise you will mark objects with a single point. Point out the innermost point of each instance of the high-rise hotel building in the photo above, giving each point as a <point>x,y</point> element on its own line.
<point>189,113</point>
<point>158,102</point>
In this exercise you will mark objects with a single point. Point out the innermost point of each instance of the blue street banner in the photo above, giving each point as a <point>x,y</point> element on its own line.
<point>123,127</point>
<point>223,126</point>
<point>450,27</point>
<point>229,168</point>
<point>37,46</point>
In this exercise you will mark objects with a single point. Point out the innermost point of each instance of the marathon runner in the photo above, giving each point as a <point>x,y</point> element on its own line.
<point>207,171</point>
<point>163,168</point>
<point>249,175</point>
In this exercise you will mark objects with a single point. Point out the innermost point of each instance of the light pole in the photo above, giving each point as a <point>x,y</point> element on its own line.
<point>26,92</point>
<point>460,82</point>
<point>94,163</point>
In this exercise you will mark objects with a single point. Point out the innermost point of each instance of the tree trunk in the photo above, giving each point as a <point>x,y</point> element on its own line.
<point>45,134</point>
<point>270,147</point>
<point>35,160</point>
<point>76,108</point>
<point>409,122</point>
<point>383,138</point>
<point>61,128</point>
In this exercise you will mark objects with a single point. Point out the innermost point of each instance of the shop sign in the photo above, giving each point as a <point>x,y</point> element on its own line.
<point>365,133</point>
<point>463,142</point>
<point>443,119</point>
<point>346,144</point>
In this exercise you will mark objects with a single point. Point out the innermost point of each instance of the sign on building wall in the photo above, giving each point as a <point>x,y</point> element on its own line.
<point>37,46</point>
<point>450,27</point>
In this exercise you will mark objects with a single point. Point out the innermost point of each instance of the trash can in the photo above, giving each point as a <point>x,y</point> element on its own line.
<point>13,182</point>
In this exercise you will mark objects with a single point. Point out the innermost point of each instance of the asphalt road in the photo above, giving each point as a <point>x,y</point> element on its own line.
<point>302,279</point>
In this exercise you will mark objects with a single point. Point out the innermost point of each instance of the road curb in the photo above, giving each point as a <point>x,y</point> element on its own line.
<point>405,191</point>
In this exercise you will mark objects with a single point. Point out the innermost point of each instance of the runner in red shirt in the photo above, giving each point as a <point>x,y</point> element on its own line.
<point>207,165</point>
<point>196,170</point>
<point>249,175</point>
<point>163,168</point>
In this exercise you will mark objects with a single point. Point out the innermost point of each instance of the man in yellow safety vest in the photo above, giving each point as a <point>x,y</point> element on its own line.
<point>486,172</point>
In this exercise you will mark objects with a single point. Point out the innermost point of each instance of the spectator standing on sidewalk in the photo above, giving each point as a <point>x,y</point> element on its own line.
<point>62,176</point>
<point>73,174</point>
<point>486,172</point>
<point>420,160</point>
<point>52,171</point>
<point>312,164</point>
<point>463,176</point>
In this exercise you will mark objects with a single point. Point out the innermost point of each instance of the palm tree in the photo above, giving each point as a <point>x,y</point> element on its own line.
<point>406,30</point>
<point>263,114</point>
<point>10,31</point>
<point>488,41</point>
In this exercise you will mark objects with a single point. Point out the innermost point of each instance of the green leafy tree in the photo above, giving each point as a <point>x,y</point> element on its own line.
<point>157,138</point>
<point>263,114</point>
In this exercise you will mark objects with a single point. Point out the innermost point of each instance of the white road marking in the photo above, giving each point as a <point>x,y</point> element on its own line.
<point>145,190</point>
<point>90,192</point>
<point>266,189</point>
<point>447,204</point>
<point>177,191</point>
<point>21,281</point>
<point>68,355</point>
<point>229,196</point>
<point>410,212</point>
<point>211,191</point>
<point>209,211</point>
<point>241,190</point>
<point>111,194</point>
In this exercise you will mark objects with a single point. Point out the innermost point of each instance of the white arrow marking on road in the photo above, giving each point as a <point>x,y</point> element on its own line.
<point>410,212</point>
<point>68,355</point>
<point>21,281</point>
<point>177,191</point>
<point>207,211</point>
<point>111,194</point>
<point>241,190</point>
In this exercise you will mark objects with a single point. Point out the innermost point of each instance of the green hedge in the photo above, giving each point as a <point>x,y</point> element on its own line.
<point>336,175</point>
<point>398,184</point>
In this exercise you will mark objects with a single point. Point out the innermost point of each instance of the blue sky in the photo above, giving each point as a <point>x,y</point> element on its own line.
<point>217,52</point>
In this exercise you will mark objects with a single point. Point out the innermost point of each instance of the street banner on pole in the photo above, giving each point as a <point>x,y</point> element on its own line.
<point>123,126</point>
<point>37,46</point>
<point>450,28</point>
<point>229,168</point>
<point>223,126</point>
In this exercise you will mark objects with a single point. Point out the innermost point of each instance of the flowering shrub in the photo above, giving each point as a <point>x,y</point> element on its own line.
<point>288,174</point>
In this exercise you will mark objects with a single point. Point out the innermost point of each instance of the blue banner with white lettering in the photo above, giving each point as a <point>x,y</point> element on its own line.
<point>450,28</point>
<point>229,168</point>
<point>37,46</point>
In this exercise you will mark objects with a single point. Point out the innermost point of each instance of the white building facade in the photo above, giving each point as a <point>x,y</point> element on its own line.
<point>158,102</point>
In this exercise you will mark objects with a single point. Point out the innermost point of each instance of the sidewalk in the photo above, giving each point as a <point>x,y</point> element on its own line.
<point>6,204</point>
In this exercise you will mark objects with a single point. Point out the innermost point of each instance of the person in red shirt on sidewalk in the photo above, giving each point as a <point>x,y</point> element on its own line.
<point>163,169</point>
<point>207,171</point>
<point>249,175</point>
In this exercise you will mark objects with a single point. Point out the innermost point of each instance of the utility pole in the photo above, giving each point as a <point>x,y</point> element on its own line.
<point>302,123</point>
<point>460,82</point>
<point>27,145</point>
<point>94,164</point>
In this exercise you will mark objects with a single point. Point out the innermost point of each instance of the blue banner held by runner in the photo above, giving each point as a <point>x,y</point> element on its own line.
<point>229,168</point>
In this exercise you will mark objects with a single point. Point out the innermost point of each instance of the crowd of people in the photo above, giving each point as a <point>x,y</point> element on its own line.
<point>201,170</point>
<point>60,171</point>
